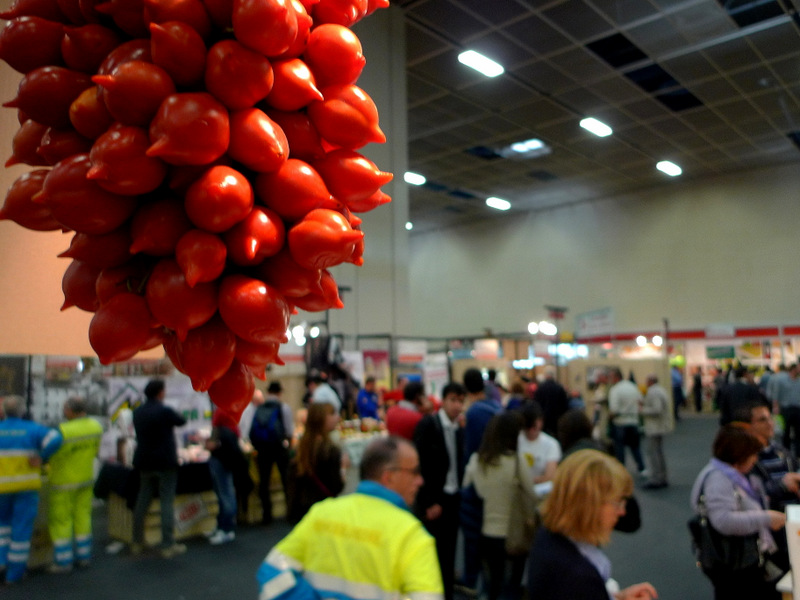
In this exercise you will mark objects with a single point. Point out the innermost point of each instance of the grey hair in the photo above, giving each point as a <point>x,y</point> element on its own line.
<point>14,406</point>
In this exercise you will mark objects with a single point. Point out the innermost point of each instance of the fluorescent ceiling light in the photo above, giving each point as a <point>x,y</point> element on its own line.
<point>480,63</point>
<point>670,168</point>
<point>414,178</point>
<point>527,146</point>
<point>498,203</point>
<point>598,128</point>
<point>409,226</point>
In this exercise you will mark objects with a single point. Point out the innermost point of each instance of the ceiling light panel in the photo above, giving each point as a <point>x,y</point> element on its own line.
<point>483,64</point>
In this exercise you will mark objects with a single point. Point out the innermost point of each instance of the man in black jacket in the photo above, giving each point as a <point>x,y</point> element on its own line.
<point>440,443</point>
<point>156,459</point>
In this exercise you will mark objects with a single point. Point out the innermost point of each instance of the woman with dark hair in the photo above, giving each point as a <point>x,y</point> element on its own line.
<point>495,471</point>
<point>736,507</point>
<point>317,471</point>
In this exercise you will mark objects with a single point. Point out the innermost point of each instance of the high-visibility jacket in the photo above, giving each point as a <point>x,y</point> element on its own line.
<point>361,546</point>
<point>20,441</point>
<point>73,465</point>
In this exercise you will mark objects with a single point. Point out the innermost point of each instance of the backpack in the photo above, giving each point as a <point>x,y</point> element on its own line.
<point>268,425</point>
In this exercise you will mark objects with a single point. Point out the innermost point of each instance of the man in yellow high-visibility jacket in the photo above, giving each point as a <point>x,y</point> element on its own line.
<point>24,446</point>
<point>71,478</point>
<point>366,545</point>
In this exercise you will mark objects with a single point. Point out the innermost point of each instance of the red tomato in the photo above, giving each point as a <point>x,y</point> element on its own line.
<point>178,49</point>
<point>237,76</point>
<point>45,94</point>
<point>349,176</point>
<point>138,49</point>
<point>157,226</point>
<point>254,310</point>
<point>120,163</point>
<point>294,86</point>
<point>257,356</point>
<point>267,26</point>
<point>72,10</point>
<point>20,208</point>
<point>257,141</point>
<point>303,139</point>
<point>221,12</point>
<point>182,176</point>
<point>190,129</point>
<point>201,256</point>
<point>27,43</point>
<point>259,235</point>
<point>134,90</point>
<point>373,5</point>
<point>284,274</point>
<point>25,144</point>
<point>79,203</point>
<point>58,144</point>
<point>233,391</point>
<point>85,48</point>
<point>46,9</point>
<point>219,199</point>
<point>343,12</point>
<point>89,115</point>
<point>334,55</point>
<point>191,12</point>
<point>101,251</point>
<point>322,239</point>
<point>207,353</point>
<point>304,23</point>
<point>120,328</point>
<point>347,117</point>
<point>130,276</point>
<point>78,286</point>
<point>293,190</point>
<point>326,299</point>
<point>174,304</point>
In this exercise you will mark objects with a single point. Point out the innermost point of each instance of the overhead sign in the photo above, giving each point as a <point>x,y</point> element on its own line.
<point>594,323</point>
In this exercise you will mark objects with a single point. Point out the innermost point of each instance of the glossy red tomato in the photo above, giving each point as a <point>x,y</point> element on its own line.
<point>177,48</point>
<point>101,251</point>
<point>303,139</point>
<point>233,391</point>
<point>343,12</point>
<point>45,94</point>
<point>325,299</point>
<point>284,274</point>
<point>190,129</point>
<point>259,235</point>
<point>237,76</point>
<point>89,115</point>
<point>322,239</point>
<point>138,49</point>
<point>79,203</point>
<point>157,226</point>
<point>347,117</point>
<point>78,285</point>
<point>120,163</point>
<point>20,208</point>
<point>349,176</point>
<point>254,310</point>
<point>293,190</point>
<point>201,256</point>
<point>25,144</point>
<point>294,87</point>
<point>174,303</point>
<point>58,144</point>
<point>134,91</point>
<point>266,26</point>
<point>304,23</point>
<point>46,9</point>
<point>85,48</point>
<point>257,356</point>
<point>207,353</point>
<point>334,55</point>
<point>257,141</point>
<point>191,12</point>
<point>72,10</point>
<point>220,198</point>
<point>129,277</point>
<point>27,43</point>
<point>120,328</point>
<point>220,12</point>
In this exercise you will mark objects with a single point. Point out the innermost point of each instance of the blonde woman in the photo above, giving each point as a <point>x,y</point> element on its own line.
<point>590,489</point>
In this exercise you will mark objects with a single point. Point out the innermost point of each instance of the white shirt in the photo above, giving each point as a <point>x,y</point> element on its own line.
<point>537,453</point>
<point>449,428</point>
<point>325,394</point>
<point>623,402</point>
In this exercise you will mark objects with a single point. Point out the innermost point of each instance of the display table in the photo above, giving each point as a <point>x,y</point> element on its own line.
<point>195,503</point>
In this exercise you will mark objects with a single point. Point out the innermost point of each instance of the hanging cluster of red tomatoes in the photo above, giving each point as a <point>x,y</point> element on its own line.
<point>204,152</point>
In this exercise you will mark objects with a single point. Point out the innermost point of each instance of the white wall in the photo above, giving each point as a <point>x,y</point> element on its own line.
<point>716,251</point>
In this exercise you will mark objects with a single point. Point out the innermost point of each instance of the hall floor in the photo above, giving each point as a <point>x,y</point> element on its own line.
<point>659,552</point>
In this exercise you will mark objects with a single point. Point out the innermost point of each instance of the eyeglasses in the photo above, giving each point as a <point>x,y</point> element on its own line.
<point>414,471</point>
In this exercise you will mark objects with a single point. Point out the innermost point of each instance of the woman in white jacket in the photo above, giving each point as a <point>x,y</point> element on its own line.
<point>736,505</point>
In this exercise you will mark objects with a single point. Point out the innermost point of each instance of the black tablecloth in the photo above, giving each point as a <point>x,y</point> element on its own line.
<point>192,478</point>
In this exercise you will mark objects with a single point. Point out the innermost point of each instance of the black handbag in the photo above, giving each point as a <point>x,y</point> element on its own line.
<point>717,552</point>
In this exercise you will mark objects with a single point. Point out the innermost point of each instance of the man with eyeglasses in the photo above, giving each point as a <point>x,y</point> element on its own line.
<point>362,545</point>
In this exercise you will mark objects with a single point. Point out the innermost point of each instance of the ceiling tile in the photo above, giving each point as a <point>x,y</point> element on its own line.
<point>543,77</point>
<point>459,24</point>
<point>581,65</point>
<point>646,109</point>
<point>732,54</point>
<point>581,101</point>
<point>714,91</point>
<point>538,35</point>
<point>776,42</point>
<point>495,12</point>
<point>617,90</point>
<point>445,70</point>
<point>656,38</point>
<point>500,49</point>
<point>622,12</point>
<point>703,21</point>
<point>421,44</point>
<point>578,20</point>
<point>787,69</point>
<point>497,93</point>
<point>539,113</point>
<point>690,68</point>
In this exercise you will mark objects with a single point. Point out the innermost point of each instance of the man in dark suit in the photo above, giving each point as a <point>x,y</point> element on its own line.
<point>440,443</point>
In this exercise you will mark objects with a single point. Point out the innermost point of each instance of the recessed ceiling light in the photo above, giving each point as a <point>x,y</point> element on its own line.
<point>409,226</point>
<point>525,149</point>
<point>527,145</point>
<point>498,203</point>
<point>670,168</point>
<point>480,63</point>
<point>598,128</point>
<point>414,178</point>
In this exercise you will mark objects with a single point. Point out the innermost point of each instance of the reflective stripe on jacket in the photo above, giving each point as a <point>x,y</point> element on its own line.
<point>73,465</point>
<point>21,441</point>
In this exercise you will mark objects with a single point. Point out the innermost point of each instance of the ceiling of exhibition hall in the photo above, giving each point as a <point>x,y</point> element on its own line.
<point>710,85</point>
